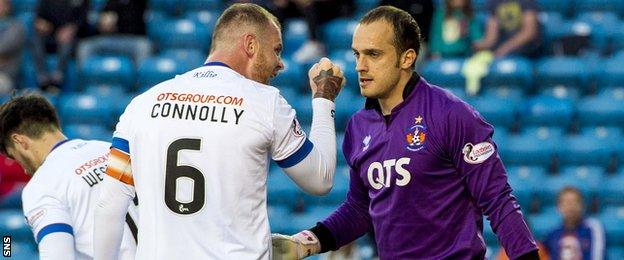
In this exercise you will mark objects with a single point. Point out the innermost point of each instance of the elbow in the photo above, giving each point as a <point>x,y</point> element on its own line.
<point>322,189</point>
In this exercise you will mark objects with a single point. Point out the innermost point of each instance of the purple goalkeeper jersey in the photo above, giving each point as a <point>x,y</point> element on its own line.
<point>423,177</point>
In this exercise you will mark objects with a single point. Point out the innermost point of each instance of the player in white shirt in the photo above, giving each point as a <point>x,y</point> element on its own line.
<point>59,201</point>
<point>196,148</point>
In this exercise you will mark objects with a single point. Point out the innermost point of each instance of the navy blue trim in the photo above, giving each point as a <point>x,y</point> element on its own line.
<point>53,228</point>
<point>297,156</point>
<point>59,144</point>
<point>121,144</point>
<point>217,63</point>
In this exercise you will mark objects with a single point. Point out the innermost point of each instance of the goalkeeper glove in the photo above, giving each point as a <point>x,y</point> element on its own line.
<point>298,246</point>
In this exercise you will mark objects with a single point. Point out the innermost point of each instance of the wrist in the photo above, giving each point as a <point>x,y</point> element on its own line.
<point>309,243</point>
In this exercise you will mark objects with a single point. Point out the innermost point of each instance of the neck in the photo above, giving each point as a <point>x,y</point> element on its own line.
<point>45,144</point>
<point>227,57</point>
<point>396,95</point>
<point>571,224</point>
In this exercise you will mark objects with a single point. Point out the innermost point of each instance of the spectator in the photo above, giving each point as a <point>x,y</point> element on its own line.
<point>512,28</point>
<point>12,36</point>
<point>122,31</point>
<point>316,13</point>
<point>454,30</point>
<point>579,237</point>
<point>58,24</point>
<point>13,178</point>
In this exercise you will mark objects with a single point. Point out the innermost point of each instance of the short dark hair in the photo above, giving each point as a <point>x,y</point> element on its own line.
<point>29,114</point>
<point>241,14</point>
<point>406,30</point>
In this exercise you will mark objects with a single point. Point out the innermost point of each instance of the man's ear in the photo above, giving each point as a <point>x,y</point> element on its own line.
<point>20,140</point>
<point>250,44</point>
<point>408,58</point>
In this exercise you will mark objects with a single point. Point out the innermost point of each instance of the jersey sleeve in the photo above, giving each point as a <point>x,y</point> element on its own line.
<point>119,166</point>
<point>45,213</point>
<point>290,144</point>
<point>474,155</point>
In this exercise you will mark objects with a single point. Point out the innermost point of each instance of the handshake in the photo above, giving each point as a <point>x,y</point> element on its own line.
<point>298,246</point>
<point>326,79</point>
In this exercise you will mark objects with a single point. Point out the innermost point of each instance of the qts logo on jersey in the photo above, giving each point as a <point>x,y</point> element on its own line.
<point>416,136</point>
<point>381,174</point>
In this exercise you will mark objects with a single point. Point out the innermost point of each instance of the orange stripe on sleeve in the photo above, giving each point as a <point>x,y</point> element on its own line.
<point>119,167</point>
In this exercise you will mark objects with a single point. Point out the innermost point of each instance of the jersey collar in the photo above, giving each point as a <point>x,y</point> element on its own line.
<point>59,144</point>
<point>372,103</point>
<point>217,63</point>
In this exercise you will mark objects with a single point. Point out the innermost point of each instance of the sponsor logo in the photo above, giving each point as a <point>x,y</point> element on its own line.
<point>477,153</point>
<point>416,136</point>
<point>34,217</point>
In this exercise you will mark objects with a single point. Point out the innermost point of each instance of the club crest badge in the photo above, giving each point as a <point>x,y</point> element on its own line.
<point>416,136</point>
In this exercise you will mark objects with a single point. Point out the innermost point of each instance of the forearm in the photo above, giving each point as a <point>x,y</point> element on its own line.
<point>111,209</point>
<point>57,246</point>
<point>315,173</point>
<point>346,224</point>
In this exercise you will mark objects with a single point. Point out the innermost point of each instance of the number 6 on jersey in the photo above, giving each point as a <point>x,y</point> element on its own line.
<point>174,171</point>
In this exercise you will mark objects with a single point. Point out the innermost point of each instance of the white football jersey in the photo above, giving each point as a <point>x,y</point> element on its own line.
<point>63,192</point>
<point>199,147</point>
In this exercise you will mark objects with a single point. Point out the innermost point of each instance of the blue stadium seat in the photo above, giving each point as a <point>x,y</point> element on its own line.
<point>598,5</point>
<point>547,111</point>
<point>296,33</point>
<point>611,191</point>
<point>512,94</point>
<point>291,75</point>
<point>13,223</point>
<point>179,33</point>
<point>561,92</point>
<point>512,72</point>
<point>84,108</point>
<point>364,6</point>
<point>566,71</point>
<point>154,70</point>
<point>170,7</point>
<point>281,189</point>
<point>615,253</point>
<point>611,72</point>
<point>279,218</point>
<point>587,179</point>
<point>560,6</point>
<point>338,193</point>
<point>70,82</point>
<point>523,181</point>
<point>533,146</point>
<point>488,234</point>
<point>542,223</point>
<point>608,21</point>
<point>107,70</point>
<point>24,250</point>
<point>496,111</point>
<point>445,73</point>
<point>88,132</point>
<point>593,146</point>
<point>309,218</point>
<point>617,38</point>
<point>109,92</point>
<point>199,5</point>
<point>346,61</point>
<point>347,103</point>
<point>205,18</point>
<point>612,219</point>
<point>28,20</point>
<point>119,106</point>
<point>192,58</point>
<point>601,110</point>
<point>24,6</point>
<point>338,33</point>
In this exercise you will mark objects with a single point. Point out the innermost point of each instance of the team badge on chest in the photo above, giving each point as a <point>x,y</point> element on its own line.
<point>416,135</point>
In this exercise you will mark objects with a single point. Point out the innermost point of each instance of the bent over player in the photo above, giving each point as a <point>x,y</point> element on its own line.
<point>423,166</point>
<point>196,147</point>
<point>59,200</point>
